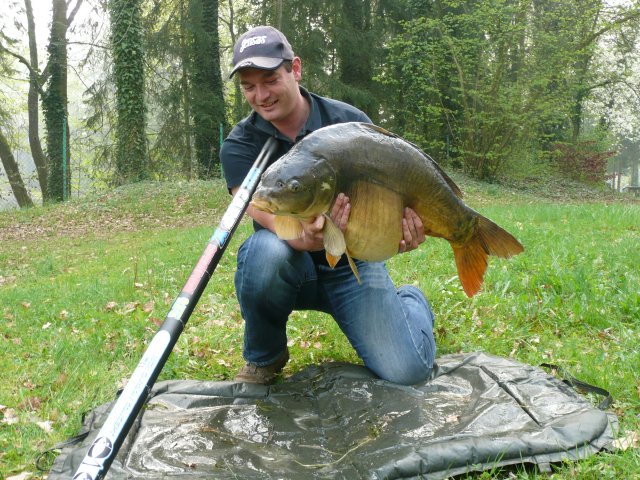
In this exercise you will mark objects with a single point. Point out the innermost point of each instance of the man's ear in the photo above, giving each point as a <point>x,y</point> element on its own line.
<point>296,68</point>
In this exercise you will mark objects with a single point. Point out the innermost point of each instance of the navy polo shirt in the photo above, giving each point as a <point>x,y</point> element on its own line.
<point>241,148</point>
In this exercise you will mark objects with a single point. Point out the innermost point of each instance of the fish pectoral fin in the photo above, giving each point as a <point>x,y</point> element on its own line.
<point>334,242</point>
<point>332,260</point>
<point>354,268</point>
<point>287,228</point>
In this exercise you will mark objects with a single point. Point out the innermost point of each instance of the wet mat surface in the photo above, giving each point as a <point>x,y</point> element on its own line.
<point>338,421</point>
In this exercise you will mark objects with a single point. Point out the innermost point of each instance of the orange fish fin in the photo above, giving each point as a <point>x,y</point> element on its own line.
<point>332,260</point>
<point>287,228</point>
<point>471,258</point>
<point>497,240</point>
<point>354,268</point>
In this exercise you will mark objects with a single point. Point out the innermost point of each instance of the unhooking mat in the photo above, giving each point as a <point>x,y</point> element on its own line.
<point>338,421</point>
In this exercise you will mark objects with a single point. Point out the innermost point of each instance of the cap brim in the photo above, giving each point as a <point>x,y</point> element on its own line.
<point>262,63</point>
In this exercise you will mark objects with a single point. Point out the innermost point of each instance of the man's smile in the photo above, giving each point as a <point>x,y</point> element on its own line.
<point>268,104</point>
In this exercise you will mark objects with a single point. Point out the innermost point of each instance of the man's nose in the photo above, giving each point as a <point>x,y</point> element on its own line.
<point>262,92</point>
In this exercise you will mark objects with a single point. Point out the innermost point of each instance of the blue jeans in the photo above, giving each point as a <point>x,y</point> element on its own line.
<point>391,330</point>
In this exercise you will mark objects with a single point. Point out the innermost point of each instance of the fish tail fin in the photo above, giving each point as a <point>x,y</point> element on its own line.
<point>497,240</point>
<point>471,257</point>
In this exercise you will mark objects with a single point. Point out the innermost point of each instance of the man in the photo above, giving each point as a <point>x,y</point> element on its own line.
<point>391,330</point>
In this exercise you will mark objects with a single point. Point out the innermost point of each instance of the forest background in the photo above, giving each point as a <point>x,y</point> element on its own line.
<point>97,93</point>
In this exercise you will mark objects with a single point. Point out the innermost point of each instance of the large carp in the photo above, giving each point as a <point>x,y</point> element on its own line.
<point>381,174</point>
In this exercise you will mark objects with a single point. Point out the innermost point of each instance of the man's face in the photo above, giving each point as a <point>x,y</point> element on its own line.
<point>273,94</point>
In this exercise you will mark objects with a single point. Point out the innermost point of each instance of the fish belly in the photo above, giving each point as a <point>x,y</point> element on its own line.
<point>374,229</point>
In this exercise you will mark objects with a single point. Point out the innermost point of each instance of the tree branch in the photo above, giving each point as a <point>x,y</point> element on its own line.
<point>104,47</point>
<point>32,71</point>
<point>631,15</point>
<point>74,11</point>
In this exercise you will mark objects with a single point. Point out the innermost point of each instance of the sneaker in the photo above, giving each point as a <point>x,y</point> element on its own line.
<point>265,375</point>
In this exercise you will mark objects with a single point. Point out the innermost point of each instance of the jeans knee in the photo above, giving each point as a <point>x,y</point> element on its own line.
<point>410,373</point>
<point>268,265</point>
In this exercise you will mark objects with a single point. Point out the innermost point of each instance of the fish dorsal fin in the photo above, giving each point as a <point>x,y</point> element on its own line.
<point>381,130</point>
<point>287,228</point>
<point>334,242</point>
<point>442,173</point>
<point>439,169</point>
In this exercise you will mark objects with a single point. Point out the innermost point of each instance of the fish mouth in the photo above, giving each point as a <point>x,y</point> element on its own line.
<point>263,205</point>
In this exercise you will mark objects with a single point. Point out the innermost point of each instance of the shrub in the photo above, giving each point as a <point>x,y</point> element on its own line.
<point>581,161</point>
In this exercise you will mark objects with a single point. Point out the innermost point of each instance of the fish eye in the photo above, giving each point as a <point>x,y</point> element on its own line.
<point>280,184</point>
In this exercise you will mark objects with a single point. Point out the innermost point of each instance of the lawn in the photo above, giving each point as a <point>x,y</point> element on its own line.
<point>84,286</point>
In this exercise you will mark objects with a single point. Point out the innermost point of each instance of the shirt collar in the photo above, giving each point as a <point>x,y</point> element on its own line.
<point>314,120</point>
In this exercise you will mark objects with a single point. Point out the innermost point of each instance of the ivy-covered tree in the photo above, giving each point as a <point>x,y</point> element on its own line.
<point>54,104</point>
<point>127,46</point>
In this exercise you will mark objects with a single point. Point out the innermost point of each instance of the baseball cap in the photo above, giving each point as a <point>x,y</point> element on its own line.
<point>261,47</point>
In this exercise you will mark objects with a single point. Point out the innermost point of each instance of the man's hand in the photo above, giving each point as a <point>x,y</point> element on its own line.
<point>312,238</point>
<point>412,231</point>
<point>340,211</point>
<point>312,232</point>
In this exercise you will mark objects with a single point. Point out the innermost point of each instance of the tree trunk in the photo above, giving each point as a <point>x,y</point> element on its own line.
<point>206,85</point>
<point>355,55</point>
<point>132,162</point>
<point>237,93</point>
<point>186,93</point>
<point>55,107</point>
<point>13,174</point>
<point>39,157</point>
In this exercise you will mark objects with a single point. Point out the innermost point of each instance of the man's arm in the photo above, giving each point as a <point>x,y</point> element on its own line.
<point>312,237</point>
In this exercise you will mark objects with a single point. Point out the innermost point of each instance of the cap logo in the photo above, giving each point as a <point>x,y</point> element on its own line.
<point>249,42</point>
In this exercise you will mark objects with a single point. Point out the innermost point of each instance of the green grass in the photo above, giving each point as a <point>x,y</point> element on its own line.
<point>84,285</point>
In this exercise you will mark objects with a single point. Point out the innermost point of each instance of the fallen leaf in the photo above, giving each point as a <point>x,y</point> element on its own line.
<point>29,385</point>
<point>21,476</point>
<point>46,425</point>
<point>30,403</point>
<point>148,307</point>
<point>156,321</point>
<point>10,417</point>
<point>123,383</point>
<point>223,362</point>
<point>111,306</point>
<point>6,280</point>
<point>317,345</point>
<point>64,314</point>
<point>46,325</point>
<point>26,304</point>
<point>630,440</point>
<point>130,307</point>
<point>138,285</point>
<point>452,419</point>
